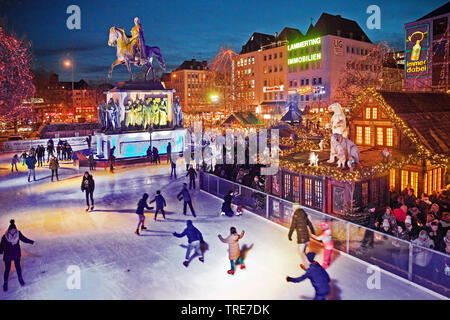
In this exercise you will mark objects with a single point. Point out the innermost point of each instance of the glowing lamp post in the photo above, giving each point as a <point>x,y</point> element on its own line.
<point>69,64</point>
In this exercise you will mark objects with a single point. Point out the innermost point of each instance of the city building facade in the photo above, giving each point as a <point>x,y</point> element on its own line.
<point>427,52</point>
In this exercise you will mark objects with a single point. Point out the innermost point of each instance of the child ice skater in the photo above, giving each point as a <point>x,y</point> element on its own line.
<point>160,204</point>
<point>327,241</point>
<point>233,248</point>
<point>142,204</point>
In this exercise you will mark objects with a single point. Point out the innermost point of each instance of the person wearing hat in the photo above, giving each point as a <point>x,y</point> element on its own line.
<point>328,243</point>
<point>301,223</point>
<point>10,248</point>
<point>319,278</point>
<point>142,204</point>
<point>184,194</point>
<point>411,227</point>
<point>192,176</point>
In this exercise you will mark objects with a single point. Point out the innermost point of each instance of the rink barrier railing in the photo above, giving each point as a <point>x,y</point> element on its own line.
<point>422,266</point>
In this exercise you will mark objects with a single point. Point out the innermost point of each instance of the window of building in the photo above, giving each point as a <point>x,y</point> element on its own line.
<point>392,178</point>
<point>367,113</point>
<point>265,83</point>
<point>308,192</point>
<point>348,49</point>
<point>303,82</point>
<point>306,81</point>
<point>270,69</point>
<point>409,177</point>
<point>274,55</point>
<point>353,50</point>
<point>253,60</point>
<point>359,135</point>
<point>302,98</point>
<point>307,97</point>
<point>275,69</point>
<point>389,137</point>
<point>314,81</point>
<point>374,113</point>
<point>367,135</point>
<point>380,138</point>
<point>245,62</point>
<point>265,58</point>
<point>280,68</point>
<point>281,54</point>
<point>270,57</point>
<point>290,84</point>
<point>320,81</point>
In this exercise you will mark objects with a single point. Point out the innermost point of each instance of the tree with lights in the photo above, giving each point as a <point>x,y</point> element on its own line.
<point>15,78</point>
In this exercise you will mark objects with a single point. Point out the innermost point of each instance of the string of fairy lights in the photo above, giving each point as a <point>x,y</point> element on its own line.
<point>422,152</point>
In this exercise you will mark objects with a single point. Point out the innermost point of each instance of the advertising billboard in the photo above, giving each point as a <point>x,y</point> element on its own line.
<point>416,51</point>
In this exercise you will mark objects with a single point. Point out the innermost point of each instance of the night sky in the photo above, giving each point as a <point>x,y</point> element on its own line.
<point>181,28</point>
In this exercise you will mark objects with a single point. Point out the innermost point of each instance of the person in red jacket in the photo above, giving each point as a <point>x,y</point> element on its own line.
<point>10,248</point>
<point>400,213</point>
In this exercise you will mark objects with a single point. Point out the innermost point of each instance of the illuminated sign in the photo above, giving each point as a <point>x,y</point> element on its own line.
<point>416,51</point>
<point>273,89</point>
<point>33,100</point>
<point>304,90</point>
<point>308,58</point>
<point>303,44</point>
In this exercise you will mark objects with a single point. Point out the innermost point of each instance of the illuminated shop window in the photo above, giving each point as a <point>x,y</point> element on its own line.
<point>359,135</point>
<point>435,179</point>
<point>414,180</point>
<point>308,192</point>
<point>425,183</point>
<point>439,186</point>
<point>389,137</point>
<point>430,181</point>
<point>367,135</point>
<point>392,177</point>
<point>380,136</point>
<point>404,179</point>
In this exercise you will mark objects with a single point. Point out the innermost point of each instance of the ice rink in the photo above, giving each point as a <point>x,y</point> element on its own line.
<point>117,264</point>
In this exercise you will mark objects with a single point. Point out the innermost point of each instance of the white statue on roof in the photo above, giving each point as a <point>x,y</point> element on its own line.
<point>338,125</point>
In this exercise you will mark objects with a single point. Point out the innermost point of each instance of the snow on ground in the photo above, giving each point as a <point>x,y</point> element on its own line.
<point>117,264</point>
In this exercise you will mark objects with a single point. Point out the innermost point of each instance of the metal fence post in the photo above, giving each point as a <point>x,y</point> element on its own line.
<point>267,206</point>
<point>218,186</point>
<point>347,240</point>
<point>410,262</point>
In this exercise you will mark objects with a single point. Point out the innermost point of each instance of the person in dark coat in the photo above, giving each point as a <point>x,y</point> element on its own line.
<point>50,149</point>
<point>89,141</point>
<point>88,186</point>
<point>14,161</point>
<point>169,151</point>
<point>149,154</point>
<point>91,162</point>
<point>173,168</point>
<point>160,204</point>
<point>31,164</point>
<point>319,278</point>
<point>142,204</point>
<point>301,223</point>
<point>10,248</point>
<point>226,205</point>
<point>372,218</point>
<point>195,239</point>
<point>156,155</point>
<point>192,176</point>
<point>184,194</point>
<point>54,166</point>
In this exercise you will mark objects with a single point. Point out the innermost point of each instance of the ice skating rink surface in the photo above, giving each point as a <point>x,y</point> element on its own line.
<point>117,264</point>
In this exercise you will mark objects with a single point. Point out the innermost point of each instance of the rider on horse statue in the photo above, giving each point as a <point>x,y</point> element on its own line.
<point>138,42</point>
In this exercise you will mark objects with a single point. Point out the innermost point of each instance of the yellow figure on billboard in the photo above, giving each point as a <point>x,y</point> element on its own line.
<point>138,114</point>
<point>147,113</point>
<point>163,114</point>
<point>129,114</point>
<point>415,54</point>
<point>155,111</point>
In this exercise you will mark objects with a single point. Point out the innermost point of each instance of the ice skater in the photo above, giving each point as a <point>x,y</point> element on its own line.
<point>31,165</point>
<point>300,223</point>
<point>54,166</point>
<point>160,204</point>
<point>10,248</point>
<point>91,162</point>
<point>234,252</point>
<point>169,152</point>
<point>319,278</point>
<point>14,162</point>
<point>24,157</point>
<point>142,204</point>
<point>173,168</point>
<point>88,186</point>
<point>328,243</point>
<point>226,205</point>
<point>184,194</point>
<point>195,239</point>
<point>192,176</point>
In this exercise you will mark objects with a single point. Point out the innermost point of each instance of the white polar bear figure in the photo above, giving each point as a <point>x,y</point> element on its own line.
<point>338,125</point>
<point>347,151</point>
<point>313,160</point>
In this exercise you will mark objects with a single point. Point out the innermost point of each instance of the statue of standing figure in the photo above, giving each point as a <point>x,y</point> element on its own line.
<point>178,115</point>
<point>102,114</point>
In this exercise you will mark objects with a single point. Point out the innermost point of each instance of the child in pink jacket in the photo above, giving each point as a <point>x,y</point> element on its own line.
<point>327,241</point>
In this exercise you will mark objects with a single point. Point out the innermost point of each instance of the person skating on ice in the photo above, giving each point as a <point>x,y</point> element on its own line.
<point>192,176</point>
<point>184,194</point>
<point>300,223</point>
<point>160,204</point>
<point>88,186</point>
<point>226,205</point>
<point>234,252</point>
<point>142,204</point>
<point>195,239</point>
<point>14,162</point>
<point>319,278</point>
<point>30,161</point>
<point>10,248</point>
<point>328,243</point>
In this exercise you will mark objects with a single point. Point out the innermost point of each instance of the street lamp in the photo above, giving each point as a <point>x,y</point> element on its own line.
<point>69,64</point>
